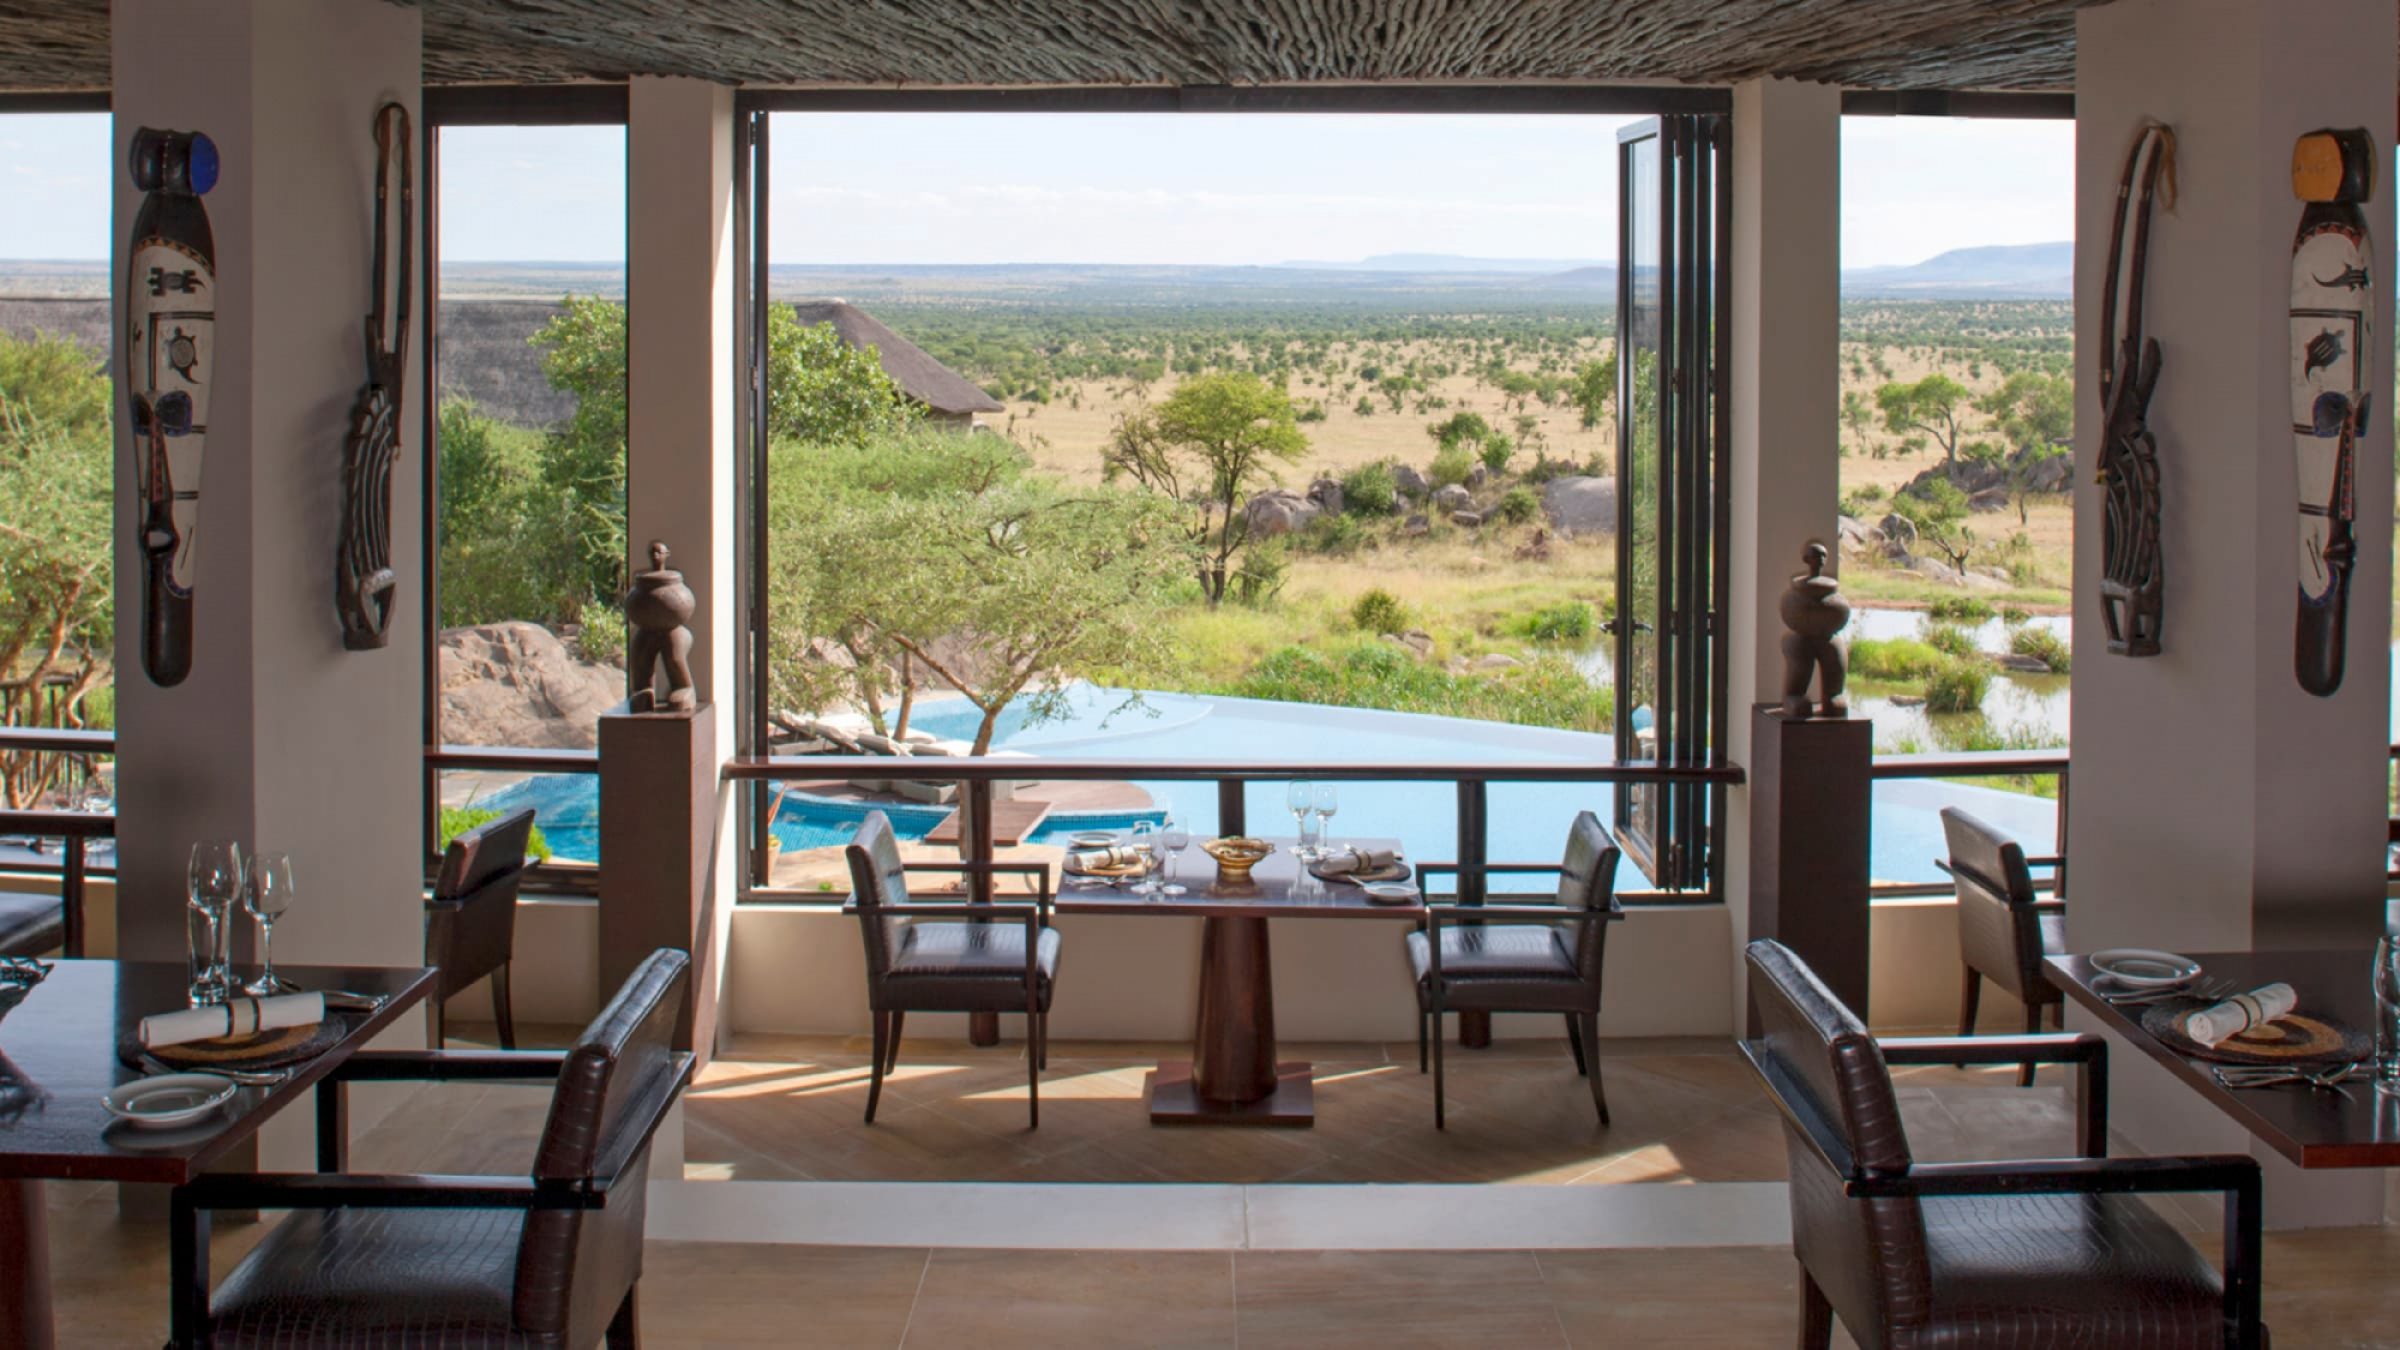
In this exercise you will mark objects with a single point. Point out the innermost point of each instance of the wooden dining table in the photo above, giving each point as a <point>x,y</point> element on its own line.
<point>1233,1076</point>
<point>2313,1127</point>
<point>60,1054</point>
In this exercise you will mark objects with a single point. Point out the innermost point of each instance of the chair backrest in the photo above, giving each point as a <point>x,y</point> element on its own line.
<point>879,884</point>
<point>1587,879</point>
<point>1867,1255</point>
<point>471,929</point>
<point>620,1077</point>
<point>1999,932</point>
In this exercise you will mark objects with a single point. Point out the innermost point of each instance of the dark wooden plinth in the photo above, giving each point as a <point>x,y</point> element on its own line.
<point>1810,783</point>
<point>1175,1099</point>
<point>25,1265</point>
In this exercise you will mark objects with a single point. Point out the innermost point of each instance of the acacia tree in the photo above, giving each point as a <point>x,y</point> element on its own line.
<point>1930,407</point>
<point>1594,389</point>
<point>1857,417</point>
<point>1213,440</point>
<point>2036,413</point>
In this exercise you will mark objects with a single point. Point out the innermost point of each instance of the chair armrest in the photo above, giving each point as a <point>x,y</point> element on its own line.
<point>1425,867</point>
<point>998,909</point>
<point>1534,913</point>
<point>2227,1172</point>
<point>312,1190</point>
<point>2048,906</point>
<point>1038,872</point>
<point>2047,860</point>
<point>2088,1053</point>
<point>442,1066</point>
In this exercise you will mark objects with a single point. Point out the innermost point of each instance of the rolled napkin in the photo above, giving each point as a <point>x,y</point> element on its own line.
<point>2222,1021</point>
<point>237,1016</point>
<point>1094,859</point>
<point>1349,860</point>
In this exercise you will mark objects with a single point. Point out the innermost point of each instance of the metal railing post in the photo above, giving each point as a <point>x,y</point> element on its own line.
<point>1474,1028</point>
<point>1233,815</point>
<point>70,896</point>
<point>975,841</point>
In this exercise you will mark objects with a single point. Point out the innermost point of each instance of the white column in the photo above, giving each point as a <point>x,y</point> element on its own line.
<point>1786,485</point>
<point>279,737</point>
<point>2216,805</point>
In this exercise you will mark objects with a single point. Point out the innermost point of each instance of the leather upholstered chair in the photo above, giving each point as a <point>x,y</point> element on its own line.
<point>2004,927</point>
<point>1969,1256</point>
<point>1537,958</point>
<point>999,957</point>
<point>471,921</point>
<point>549,1259</point>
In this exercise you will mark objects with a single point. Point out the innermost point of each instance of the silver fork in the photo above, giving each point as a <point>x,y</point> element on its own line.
<point>244,1077</point>
<point>2239,1077</point>
<point>2207,990</point>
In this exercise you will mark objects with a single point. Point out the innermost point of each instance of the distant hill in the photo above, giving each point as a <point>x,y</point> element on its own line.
<point>1995,271</point>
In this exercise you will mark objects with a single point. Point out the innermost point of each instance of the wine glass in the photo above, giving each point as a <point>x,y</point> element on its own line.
<point>1145,843</point>
<point>1299,798</point>
<point>1173,834</point>
<point>215,878</point>
<point>1326,799</point>
<point>268,896</point>
<point>2387,1016</point>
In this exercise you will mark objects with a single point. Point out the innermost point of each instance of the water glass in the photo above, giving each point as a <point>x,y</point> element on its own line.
<point>1300,798</point>
<point>268,896</point>
<point>215,879</point>
<point>1145,843</point>
<point>1327,800</point>
<point>1176,838</point>
<point>2387,1016</point>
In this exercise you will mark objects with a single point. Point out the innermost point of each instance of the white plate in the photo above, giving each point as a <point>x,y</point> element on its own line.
<point>1092,838</point>
<point>1389,892</point>
<point>162,1101</point>
<point>2142,968</point>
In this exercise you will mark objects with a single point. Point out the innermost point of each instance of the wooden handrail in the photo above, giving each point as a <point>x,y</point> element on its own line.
<point>501,757</point>
<point>58,740</point>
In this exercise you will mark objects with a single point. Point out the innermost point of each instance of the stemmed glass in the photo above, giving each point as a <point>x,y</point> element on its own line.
<point>2387,1016</point>
<point>215,878</point>
<point>1145,842</point>
<point>268,896</point>
<point>1326,799</point>
<point>1176,838</point>
<point>1299,797</point>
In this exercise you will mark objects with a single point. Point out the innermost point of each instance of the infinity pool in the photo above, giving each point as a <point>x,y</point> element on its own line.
<point>1527,821</point>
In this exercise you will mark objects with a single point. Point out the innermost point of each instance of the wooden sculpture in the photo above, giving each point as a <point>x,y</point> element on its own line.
<point>2133,574</point>
<point>657,643</point>
<point>2333,305</point>
<point>170,346</point>
<point>364,582</point>
<point>1813,610</point>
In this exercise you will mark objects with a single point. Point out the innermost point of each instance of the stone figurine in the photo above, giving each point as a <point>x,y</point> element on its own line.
<point>1813,611</point>
<point>656,609</point>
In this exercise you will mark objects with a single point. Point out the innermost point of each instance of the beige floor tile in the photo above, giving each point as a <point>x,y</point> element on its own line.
<point>820,1298</point>
<point>1393,1299</point>
<point>1674,1299</point>
<point>997,1300</point>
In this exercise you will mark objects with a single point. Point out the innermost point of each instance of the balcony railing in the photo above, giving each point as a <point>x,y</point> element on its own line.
<point>1975,764</point>
<point>550,878</point>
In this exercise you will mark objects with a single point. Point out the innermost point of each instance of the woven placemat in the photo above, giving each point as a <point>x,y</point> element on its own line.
<point>2295,1038</point>
<point>276,1049</point>
<point>1396,872</point>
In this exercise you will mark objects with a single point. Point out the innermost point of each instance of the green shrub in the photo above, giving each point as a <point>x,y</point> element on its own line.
<point>1863,502</point>
<point>1379,611</point>
<point>1960,609</point>
<point>1957,687</point>
<point>1497,449</point>
<point>1370,490</point>
<point>2013,616</point>
<point>1567,621</point>
<point>1950,640</point>
<point>1263,571</point>
<point>1462,428</point>
<point>457,820</point>
<point>1893,659</point>
<point>1333,536</point>
<point>1311,411</point>
<point>1451,467</point>
<point>1518,505</point>
<point>601,639</point>
<point>2049,647</point>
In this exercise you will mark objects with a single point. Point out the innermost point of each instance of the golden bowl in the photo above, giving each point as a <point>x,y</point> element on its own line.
<point>1235,857</point>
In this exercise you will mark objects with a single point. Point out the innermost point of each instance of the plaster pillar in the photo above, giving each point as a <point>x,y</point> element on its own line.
<point>2217,805</point>
<point>680,462</point>
<point>1785,405</point>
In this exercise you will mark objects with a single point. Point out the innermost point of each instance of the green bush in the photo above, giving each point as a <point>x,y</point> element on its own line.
<point>1518,505</point>
<point>1379,611</point>
<point>1567,621</point>
<point>1450,467</point>
<point>1892,659</point>
<point>2013,616</point>
<point>1261,576</point>
<point>1497,450</point>
<point>1370,490</point>
<point>1333,536</point>
<point>1950,640</point>
<point>1957,687</point>
<point>601,639</point>
<point>457,820</point>
<point>1863,502</point>
<point>1960,609</point>
<point>2041,643</point>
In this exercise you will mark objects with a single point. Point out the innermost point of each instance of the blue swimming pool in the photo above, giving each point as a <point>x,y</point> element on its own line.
<point>1527,821</point>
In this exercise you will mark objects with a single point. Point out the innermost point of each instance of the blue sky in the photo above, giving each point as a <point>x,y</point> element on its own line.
<point>1181,188</point>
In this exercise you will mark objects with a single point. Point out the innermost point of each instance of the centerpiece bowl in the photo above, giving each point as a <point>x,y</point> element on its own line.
<point>1236,856</point>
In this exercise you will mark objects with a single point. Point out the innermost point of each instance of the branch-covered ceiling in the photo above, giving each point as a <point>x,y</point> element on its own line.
<point>1886,44</point>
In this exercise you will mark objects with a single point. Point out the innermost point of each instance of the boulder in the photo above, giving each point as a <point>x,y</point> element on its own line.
<point>1899,532</point>
<point>1416,525</point>
<point>1409,481</point>
<point>1453,498</point>
<point>1908,700</point>
<point>1416,640</point>
<point>2030,665</point>
<point>1327,494</point>
<point>1497,661</point>
<point>1478,476</point>
<point>1467,520</point>
<point>1858,537</point>
<point>1988,500</point>
<point>1581,504</point>
<point>1934,569</point>
<point>516,684</point>
<point>1279,512</point>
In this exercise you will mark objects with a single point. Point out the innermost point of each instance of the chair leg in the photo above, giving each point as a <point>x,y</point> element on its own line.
<point>1591,1053</point>
<point>1041,1042</point>
<point>438,1034</point>
<point>1033,1071</point>
<point>1970,999</point>
<point>502,1012</point>
<point>2033,1025</point>
<point>1816,1315</point>
<point>891,1054</point>
<point>1575,1045</point>
<point>875,1070</point>
<point>1422,1035</point>
<point>1440,1121</point>
<point>625,1329</point>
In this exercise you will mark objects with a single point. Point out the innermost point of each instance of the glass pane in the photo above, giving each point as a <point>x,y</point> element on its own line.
<point>530,473</point>
<point>1639,594</point>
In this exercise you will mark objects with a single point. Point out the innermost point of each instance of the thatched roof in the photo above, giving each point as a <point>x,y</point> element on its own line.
<point>919,376</point>
<point>1891,44</point>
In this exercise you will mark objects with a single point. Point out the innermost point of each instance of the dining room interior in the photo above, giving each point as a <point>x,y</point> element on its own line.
<point>719,1006</point>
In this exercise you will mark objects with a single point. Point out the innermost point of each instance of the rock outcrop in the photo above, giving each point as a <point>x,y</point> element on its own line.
<point>517,684</point>
<point>1279,512</point>
<point>1581,504</point>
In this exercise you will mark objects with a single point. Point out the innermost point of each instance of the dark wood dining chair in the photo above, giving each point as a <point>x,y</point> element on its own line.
<point>553,1258</point>
<point>38,922</point>
<point>997,957</point>
<point>471,921</point>
<point>2005,928</point>
<point>1913,1255</point>
<point>1537,958</point>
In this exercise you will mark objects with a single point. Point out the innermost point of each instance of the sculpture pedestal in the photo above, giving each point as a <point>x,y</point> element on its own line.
<point>1809,798</point>
<point>658,791</point>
